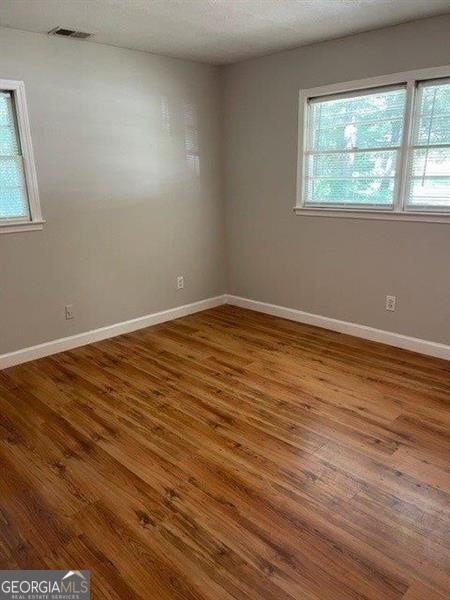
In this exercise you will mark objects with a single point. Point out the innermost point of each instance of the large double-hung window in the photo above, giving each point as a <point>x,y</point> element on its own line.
<point>377,148</point>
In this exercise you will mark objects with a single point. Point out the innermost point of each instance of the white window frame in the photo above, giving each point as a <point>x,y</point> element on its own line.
<point>399,210</point>
<point>35,222</point>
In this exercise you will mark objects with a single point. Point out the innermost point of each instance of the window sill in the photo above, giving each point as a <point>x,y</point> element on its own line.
<point>21,227</point>
<point>381,215</point>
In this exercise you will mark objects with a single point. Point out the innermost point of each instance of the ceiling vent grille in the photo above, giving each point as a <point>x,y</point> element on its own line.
<point>64,32</point>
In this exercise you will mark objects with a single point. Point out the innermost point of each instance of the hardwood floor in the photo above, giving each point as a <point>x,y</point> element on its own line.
<point>230,454</point>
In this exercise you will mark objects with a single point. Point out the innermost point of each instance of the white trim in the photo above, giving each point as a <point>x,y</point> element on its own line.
<point>402,180</point>
<point>377,214</point>
<point>21,226</point>
<point>348,92</point>
<point>95,335</point>
<point>380,81</point>
<point>362,331</point>
<point>399,208</point>
<point>24,132</point>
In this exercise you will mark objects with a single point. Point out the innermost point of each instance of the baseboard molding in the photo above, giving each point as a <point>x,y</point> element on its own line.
<point>363,331</point>
<point>95,335</point>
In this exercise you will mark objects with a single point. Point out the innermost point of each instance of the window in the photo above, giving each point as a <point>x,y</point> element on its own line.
<point>19,200</point>
<point>377,148</point>
<point>429,153</point>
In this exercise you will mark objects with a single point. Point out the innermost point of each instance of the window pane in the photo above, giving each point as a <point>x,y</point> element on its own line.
<point>433,192</point>
<point>361,191</point>
<point>427,162</point>
<point>433,123</point>
<point>430,177</point>
<point>429,168</point>
<point>13,197</point>
<point>9,143</point>
<point>434,130</point>
<point>351,178</point>
<point>353,164</point>
<point>5,109</point>
<point>370,120</point>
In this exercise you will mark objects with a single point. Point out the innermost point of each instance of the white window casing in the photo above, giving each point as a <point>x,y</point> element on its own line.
<point>14,94</point>
<point>415,168</point>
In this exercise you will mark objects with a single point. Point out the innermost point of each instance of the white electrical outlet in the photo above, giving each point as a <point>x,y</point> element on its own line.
<point>180,282</point>
<point>68,311</point>
<point>390,302</point>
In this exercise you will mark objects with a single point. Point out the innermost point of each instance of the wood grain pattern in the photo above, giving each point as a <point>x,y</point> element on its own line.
<point>230,454</point>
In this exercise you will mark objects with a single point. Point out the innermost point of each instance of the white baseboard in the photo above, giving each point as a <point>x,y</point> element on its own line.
<point>363,331</point>
<point>95,335</point>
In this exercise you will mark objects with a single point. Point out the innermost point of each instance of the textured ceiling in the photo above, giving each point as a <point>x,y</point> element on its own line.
<point>214,31</point>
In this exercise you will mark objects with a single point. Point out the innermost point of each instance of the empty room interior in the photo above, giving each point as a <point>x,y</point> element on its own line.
<point>225,299</point>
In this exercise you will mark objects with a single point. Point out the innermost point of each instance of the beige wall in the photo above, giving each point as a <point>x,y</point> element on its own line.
<point>339,268</point>
<point>128,204</point>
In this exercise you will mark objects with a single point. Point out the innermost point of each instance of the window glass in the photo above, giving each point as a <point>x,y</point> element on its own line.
<point>13,195</point>
<point>353,145</point>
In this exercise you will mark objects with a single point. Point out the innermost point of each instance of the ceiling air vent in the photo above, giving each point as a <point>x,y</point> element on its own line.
<point>64,32</point>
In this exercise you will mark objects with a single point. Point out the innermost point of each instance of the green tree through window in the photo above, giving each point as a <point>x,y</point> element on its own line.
<point>353,147</point>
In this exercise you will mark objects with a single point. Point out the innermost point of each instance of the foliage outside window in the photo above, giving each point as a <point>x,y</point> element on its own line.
<point>383,148</point>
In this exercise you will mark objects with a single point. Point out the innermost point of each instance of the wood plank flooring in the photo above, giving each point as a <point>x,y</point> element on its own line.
<point>230,454</point>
